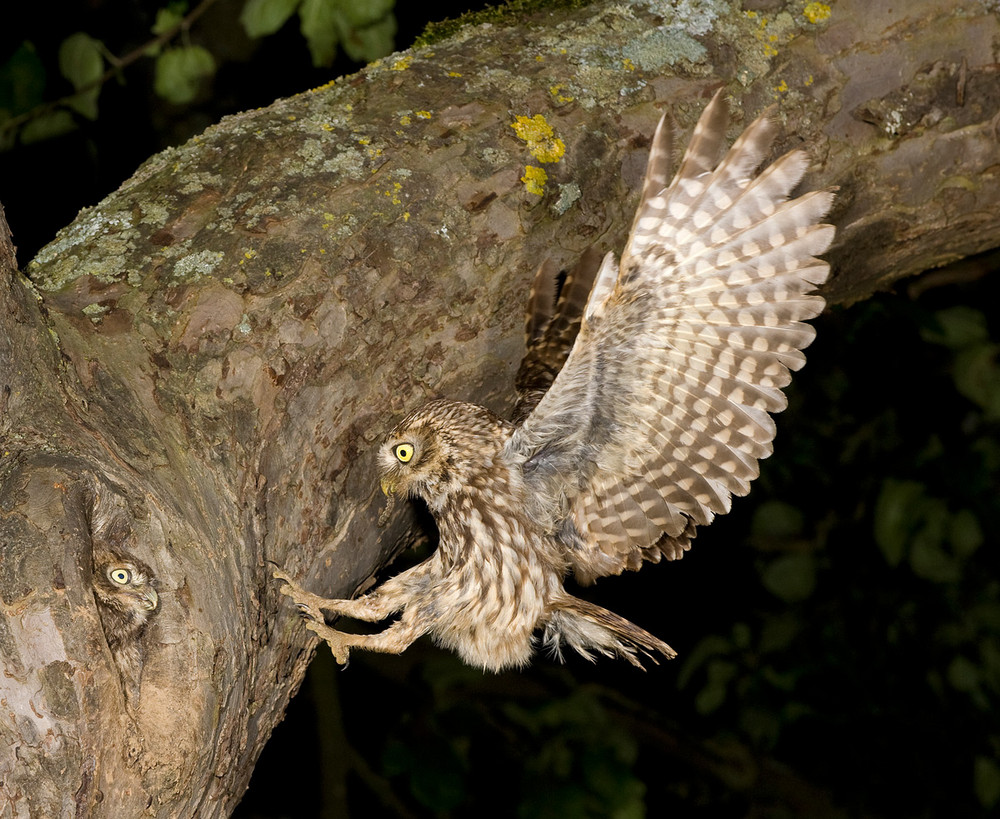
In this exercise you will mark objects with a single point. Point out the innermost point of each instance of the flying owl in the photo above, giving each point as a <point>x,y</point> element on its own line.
<point>126,598</point>
<point>646,428</point>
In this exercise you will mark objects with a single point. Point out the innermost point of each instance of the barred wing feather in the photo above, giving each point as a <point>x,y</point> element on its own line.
<point>661,411</point>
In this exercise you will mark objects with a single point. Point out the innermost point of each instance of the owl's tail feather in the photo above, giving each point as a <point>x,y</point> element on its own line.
<point>587,628</point>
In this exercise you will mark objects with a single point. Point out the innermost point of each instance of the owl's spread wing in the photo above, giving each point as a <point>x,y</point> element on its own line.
<point>661,411</point>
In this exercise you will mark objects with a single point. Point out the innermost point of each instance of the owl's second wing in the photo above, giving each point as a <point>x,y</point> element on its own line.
<point>552,322</point>
<point>661,412</point>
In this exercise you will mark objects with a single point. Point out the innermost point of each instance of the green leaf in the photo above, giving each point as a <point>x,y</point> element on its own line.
<point>776,520</point>
<point>167,19</point>
<point>742,635</point>
<point>792,577</point>
<point>957,327</point>
<point>778,633</point>
<point>928,560</point>
<point>896,509</point>
<point>977,376</point>
<point>713,695</point>
<point>362,13</point>
<point>699,655</point>
<point>372,42</point>
<point>180,71</point>
<point>963,674</point>
<point>965,534</point>
<point>263,17</point>
<point>22,80</point>
<point>321,24</point>
<point>81,63</point>
<point>986,778</point>
<point>47,126</point>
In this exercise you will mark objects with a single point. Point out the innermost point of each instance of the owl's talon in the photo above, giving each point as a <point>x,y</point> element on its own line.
<point>308,613</point>
<point>299,596</point>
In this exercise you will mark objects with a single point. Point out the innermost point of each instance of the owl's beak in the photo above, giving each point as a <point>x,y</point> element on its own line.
<point>149,599</point>
<point>388,486</point>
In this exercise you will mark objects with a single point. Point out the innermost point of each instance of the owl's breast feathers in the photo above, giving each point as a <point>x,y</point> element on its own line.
<point>496,571</point>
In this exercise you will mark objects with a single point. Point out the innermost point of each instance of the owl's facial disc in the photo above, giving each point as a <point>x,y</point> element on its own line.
<point>399,459</point>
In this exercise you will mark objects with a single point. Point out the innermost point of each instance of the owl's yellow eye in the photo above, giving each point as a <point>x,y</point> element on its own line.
<point>120,576</point>
<point>403,452</point>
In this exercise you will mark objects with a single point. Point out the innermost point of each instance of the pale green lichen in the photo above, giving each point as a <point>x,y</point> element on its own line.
<point>70,255</point>
<point>155,213</point>
<point>94,312</point>
<point>197,182</point>
<point>661,47</point>
<point>197,265</point>
<point>569,194</point>
<point>311,151</point>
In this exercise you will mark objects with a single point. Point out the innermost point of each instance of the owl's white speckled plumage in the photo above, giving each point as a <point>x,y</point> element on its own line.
<point>656,419</point>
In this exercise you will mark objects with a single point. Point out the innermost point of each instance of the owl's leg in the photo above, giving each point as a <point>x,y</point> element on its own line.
<point>369,607</point>
<point>394,640</point>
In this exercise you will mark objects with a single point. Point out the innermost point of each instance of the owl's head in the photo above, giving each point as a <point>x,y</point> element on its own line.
<point>124,583</point>
<point>438,449</point>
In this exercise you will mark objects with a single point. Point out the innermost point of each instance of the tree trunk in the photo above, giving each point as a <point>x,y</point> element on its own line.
<point>207,356</point>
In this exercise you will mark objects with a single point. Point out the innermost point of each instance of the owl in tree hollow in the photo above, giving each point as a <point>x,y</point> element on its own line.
<point>126,598</point>
<point>644,429</point>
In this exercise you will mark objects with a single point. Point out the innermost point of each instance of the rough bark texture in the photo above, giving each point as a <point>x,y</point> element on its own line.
<point>216,345</point>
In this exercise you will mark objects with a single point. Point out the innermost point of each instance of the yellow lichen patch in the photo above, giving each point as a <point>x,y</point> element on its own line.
<point>402,63</point>
<point>544,145</point>
<point>771,33</point>
<point>454,73</point>
<point>628,65</point>
<point>423,114</point>
<point>817,12</point>
<point>393,193</point>
<point>557,92</point>
<point>781,87</point>
<point>534,180</point>
<point>405,120</point>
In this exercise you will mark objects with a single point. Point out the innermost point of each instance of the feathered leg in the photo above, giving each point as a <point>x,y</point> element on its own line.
<point>390,598</point>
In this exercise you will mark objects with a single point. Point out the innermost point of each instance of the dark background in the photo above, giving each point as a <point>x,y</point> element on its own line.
<point>838,632</point>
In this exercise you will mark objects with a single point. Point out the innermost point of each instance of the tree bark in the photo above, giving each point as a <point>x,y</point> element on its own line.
<point>214,348</point>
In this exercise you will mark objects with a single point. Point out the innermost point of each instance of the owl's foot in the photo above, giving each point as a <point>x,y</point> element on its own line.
<point>310,609</point>
<point>309,604</point>
<point>339,642</point>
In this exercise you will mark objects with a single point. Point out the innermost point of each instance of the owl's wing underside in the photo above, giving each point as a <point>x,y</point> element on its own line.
<point>661,411</point>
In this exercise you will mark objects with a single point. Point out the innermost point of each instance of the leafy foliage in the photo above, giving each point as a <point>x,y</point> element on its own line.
<point>184,69</point>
